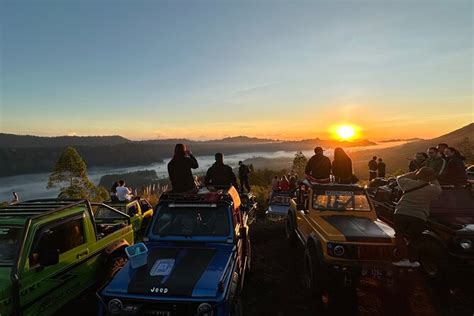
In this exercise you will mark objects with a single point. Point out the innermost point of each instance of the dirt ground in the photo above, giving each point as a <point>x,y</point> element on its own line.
<point>275,287</point>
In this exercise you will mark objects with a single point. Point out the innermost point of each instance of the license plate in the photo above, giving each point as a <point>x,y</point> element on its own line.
<point>376,273</point>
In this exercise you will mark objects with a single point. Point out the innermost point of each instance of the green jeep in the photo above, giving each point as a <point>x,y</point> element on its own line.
<point>52,250</point>
<point>140,212</point>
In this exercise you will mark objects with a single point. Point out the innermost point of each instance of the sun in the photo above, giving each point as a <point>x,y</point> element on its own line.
<point>345,132</point>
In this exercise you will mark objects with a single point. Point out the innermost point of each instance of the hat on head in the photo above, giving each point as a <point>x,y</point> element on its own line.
<point>318,149</point>
<point>426,174</point>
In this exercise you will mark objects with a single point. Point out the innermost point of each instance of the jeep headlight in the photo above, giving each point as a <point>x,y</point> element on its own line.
<point>465,244</point>
<point>204,309</point>
<point>115,306</point>
<point>339,251</point>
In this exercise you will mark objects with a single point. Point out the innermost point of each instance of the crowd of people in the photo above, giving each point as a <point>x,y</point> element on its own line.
<point>284,183</point>
<point>440,165</point>
<point>219,174</point>
<point>447,163</point>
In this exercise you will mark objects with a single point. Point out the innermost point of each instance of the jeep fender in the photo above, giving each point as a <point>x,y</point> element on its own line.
<point>116,246</point>
<point>313,241</point>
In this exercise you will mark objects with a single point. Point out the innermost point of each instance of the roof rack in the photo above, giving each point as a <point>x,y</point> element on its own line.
<point>38,207</point>
<point>331,185</point>
<point>204,194</point>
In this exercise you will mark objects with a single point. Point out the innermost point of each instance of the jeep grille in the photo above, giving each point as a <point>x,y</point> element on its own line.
<point>376,252</point>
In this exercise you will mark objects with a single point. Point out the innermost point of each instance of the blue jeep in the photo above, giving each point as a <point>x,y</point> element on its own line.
<point>279,204</point>
<point>198,253</point>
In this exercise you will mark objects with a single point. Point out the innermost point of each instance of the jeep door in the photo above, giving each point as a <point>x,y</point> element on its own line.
<point>135,212</point>
<point>57,266</point>
<point>302,212</point>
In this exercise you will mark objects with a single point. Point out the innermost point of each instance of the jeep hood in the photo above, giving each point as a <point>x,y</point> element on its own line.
<point>174,271</point>
<point>360,229</point>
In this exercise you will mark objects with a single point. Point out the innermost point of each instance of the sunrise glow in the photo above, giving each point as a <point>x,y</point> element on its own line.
<point>344,132</point>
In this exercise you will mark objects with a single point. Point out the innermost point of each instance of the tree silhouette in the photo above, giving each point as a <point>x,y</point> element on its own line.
<point>299,164</point>
<point>70,175</point>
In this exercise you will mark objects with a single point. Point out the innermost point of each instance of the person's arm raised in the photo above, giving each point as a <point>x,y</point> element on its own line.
<point>194,162</point>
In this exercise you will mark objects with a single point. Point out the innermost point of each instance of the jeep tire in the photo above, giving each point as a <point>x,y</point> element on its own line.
<point>432,257</point>
<point>114,264</point>
<point>312,272</point>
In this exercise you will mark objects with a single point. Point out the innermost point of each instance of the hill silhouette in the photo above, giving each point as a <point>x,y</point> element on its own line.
<point>16,141</point>
<point>33,154</point>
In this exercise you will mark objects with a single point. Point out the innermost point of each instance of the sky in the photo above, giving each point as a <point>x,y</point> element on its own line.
<point>210,69</point>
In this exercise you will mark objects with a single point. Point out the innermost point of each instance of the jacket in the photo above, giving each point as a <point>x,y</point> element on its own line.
<point>416,203</point>
<point>220,174</point>
<point>372,165</point>
<point>342,170</point>
<point>244,171</point>
<point>179,171</point>
<point>437,164</point>
<point>318,167</point>
<point>454,172</point>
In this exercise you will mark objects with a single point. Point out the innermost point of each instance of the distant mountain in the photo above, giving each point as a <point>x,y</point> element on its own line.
<point>398,157</point>
<point>242,140</point>
<point>400,140</point>
<point>238,140</point>
<point>32,154</point>
<point>17,141</point>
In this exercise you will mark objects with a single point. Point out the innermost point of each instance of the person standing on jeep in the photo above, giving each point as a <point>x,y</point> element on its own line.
<point>342,167</point>
<point>220,174</point>
<point>318,168</point>
<point>244,171</point>
<point>381,168</point>
<point>179,169</point>
<point>412,211</point>
<point>455,171</point>
<point>373,168</point>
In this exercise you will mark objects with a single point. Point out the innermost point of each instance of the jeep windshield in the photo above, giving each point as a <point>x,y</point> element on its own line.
<point>341,201</point>
<point>189,221</point>
<point>9,239</point>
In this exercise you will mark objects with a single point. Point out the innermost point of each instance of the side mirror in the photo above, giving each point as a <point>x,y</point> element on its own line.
<point>242,232</point>
<point>49,257</point>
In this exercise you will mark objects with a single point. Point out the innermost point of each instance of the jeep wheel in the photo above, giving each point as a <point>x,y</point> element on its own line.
<point>432,259</point>
<point>290,230</point>
<point>114,265</point>
<point>311,267</point>
<point>237,309</point>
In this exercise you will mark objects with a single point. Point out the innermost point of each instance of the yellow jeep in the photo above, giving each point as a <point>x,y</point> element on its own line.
<point>341,235</point>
